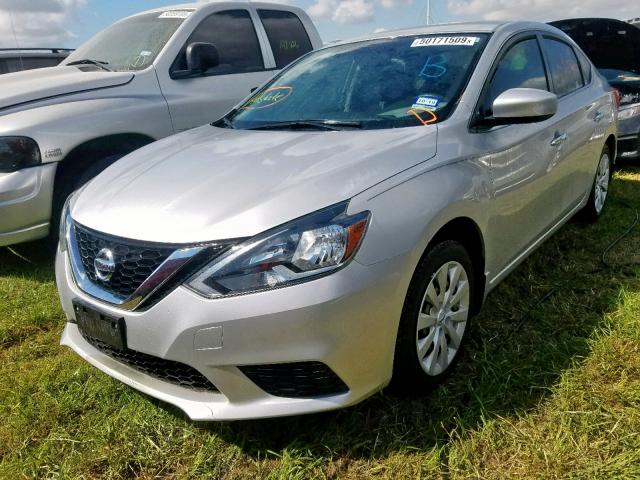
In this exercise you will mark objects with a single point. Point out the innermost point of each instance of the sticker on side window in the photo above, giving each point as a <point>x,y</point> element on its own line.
<point>445,41</point>
<point>425,101</point>
<point>176,14</point>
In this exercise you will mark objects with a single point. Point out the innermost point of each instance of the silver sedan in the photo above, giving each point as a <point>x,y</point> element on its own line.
<point>338,230</point>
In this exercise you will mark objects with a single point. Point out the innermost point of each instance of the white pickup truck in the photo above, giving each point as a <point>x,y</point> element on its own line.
<point>144,78</point>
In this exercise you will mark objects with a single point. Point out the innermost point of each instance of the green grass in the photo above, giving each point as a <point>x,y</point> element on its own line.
<point>546,390</point>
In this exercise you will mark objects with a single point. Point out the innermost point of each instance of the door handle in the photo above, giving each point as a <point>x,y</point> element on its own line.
<point>559,139</point>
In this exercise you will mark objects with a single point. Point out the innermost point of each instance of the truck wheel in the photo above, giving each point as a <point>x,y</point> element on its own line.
<point>69,182</point>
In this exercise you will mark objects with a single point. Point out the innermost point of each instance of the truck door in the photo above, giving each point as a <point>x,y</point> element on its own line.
<point>205,98</point>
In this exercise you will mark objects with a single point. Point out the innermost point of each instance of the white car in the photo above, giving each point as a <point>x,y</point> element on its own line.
<point>142,79</point>
<point>340,227</point>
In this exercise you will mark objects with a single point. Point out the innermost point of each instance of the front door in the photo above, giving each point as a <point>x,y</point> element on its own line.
<point>204,99</point>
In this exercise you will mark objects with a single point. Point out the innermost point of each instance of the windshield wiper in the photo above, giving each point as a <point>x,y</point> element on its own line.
<point>224,122</point>
<point>332,125</point>
<point>88,61</point>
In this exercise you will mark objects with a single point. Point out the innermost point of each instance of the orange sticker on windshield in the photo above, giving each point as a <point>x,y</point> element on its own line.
<point>268,98</point>
<point>419,113</point>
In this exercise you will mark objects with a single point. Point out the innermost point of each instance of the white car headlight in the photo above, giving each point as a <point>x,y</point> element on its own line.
<point>628,111</point>
<point>307,248</point>
<point>64,225</point>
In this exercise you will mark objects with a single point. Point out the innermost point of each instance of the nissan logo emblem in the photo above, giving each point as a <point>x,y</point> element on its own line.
<point>104,265</point>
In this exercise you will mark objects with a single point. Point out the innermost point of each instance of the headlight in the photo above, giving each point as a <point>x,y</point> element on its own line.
<point>630,111</point>
<point>65,219</point>
<point>307,248</point>
<point>17,153</point>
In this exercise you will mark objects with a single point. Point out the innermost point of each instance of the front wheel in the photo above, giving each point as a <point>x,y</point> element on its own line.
<point>435,319</point>
<point>600,189</point>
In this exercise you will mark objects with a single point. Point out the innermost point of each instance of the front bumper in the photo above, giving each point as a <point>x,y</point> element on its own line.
<point>347,321</point>
<point>629,147</point>
<point>629,138</point>
<point>25,204</point>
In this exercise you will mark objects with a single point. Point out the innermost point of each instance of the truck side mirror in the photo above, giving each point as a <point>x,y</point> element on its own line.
<point>201,57</point>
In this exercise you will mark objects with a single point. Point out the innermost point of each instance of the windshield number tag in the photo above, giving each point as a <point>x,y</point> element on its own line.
<point>445,41</point>
<point>424,101</point>
<point>175,14</point>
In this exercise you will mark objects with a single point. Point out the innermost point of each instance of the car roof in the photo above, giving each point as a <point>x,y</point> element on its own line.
<point>453,28</point>
<point>200,5</point>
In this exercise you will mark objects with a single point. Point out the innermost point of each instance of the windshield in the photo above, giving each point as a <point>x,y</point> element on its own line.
<point>388,83</point>
<point>132,44</point>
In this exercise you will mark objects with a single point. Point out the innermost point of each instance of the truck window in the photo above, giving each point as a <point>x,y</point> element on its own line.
<point>287,35</point>
<point>134,43</point>
<point>30,63</point>
<point>233,34</point>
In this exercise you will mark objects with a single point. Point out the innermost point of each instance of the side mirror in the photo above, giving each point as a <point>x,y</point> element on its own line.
<point>201,56</point>
<point>523,105</point>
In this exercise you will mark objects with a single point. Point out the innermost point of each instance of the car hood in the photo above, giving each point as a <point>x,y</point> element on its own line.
<point>33,85</point>
<point>212,183</point>
<point>609,44</point>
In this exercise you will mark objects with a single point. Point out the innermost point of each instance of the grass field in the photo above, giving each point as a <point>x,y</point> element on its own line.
<point>546,390</point>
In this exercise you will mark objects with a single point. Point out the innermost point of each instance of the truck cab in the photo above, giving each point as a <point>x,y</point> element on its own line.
<point>142,79</point>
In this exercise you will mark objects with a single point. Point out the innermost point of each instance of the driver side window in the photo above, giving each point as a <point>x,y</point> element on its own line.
<point>234,35</point>
<point>520,67</point>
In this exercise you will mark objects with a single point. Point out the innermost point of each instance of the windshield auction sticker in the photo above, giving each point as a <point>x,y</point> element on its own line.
<point>268,98</point>
<point>425,101</point>
<point>445,41</point>
<point>176,14</point>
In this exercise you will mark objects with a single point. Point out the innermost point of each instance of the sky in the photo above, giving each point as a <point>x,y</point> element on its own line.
<point>68,23</point>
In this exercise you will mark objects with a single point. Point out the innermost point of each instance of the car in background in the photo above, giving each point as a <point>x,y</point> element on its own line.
<point>19,59</point>
<point>340,227</point>
<point>144,78</point>
<point>614,48</point>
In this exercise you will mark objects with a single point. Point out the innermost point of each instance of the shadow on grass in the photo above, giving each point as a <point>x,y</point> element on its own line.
<point>519,348</point>
<point>33,260</point>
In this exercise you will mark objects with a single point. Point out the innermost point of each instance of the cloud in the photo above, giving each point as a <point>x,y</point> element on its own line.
<point>543,10</point>
<point>37,23</point>
<point>350,11</point>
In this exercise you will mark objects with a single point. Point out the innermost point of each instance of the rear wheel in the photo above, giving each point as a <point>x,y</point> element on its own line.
<point>436,318</point>
<point>600,189</point>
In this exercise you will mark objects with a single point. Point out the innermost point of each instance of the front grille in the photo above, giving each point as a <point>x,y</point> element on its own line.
<point>166,370</point>
<point>135,262</point>
<point>296,380</point>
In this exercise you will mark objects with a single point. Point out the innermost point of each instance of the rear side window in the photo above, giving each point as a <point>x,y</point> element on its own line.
<point>18,64</point>
<point>520,67</point>
<point>287,36</point>
<point>563,63</point>
<point>233,34</point>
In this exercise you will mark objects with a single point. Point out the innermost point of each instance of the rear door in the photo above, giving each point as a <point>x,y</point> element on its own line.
<point>577,123</point>
<point>196,101</point>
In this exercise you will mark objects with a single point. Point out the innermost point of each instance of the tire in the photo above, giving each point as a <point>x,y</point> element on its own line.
<point>71,181</point>
<point>600,188</point>
<point>413,372</point>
